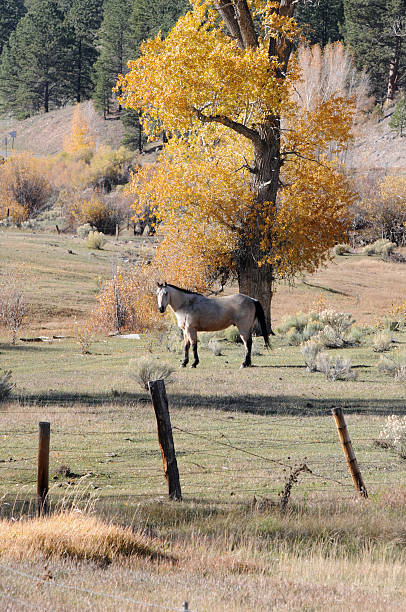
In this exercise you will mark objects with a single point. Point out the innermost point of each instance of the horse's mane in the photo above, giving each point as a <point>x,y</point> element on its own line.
<point>183,290</point>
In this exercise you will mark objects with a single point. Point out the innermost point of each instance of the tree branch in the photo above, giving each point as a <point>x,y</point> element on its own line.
<point>226,10</point>
<point>246,24</point>
<point>233,125</point>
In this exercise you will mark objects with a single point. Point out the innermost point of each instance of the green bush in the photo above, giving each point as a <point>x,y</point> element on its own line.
<point>382,342</point>
<point>95,240</point>
<point>6,386</point>
<point>144,370</point>
<point>342,249</point>
<point>233,335</point>
<point>382,247</point>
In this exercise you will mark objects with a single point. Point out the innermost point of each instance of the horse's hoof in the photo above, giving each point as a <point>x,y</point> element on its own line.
<point>193,365</point>
<point>182,365</point>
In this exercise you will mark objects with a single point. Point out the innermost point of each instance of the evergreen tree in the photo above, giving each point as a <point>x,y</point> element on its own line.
<point>84,17</point>
<point>116,47</point>
<point>147,19</point>
<point>397,122</point>
<point>375,31</point>
<point>321,21</point>
<point>11,12</point>
<point>38,56</point>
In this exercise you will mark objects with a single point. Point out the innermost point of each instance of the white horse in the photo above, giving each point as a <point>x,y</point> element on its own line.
<point>195,312</point>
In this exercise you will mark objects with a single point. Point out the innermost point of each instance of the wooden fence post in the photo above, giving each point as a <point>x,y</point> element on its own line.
<point>43,467</point>
<point>160,403</point>
<point>348,452</point>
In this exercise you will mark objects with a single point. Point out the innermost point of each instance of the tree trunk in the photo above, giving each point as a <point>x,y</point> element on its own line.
<point>79,79</point>
<point>393,71</point>
<point>256,282</point>
<point>46,97</point>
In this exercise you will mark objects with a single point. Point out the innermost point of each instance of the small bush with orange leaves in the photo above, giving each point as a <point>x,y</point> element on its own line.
<point>24,186</point>
<point>127,302</point>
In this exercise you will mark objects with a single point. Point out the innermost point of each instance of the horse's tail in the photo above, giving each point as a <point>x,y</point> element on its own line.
<point>260,316</point>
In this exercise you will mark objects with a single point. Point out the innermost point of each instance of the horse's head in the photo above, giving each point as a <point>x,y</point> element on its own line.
<point>162,295</point>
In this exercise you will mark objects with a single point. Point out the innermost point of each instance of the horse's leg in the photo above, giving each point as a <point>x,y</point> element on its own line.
<point>193,337</point>
<point>187,346</point>
<point>247,340</point>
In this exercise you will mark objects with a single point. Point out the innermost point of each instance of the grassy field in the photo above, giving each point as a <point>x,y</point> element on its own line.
<point>238,435</point>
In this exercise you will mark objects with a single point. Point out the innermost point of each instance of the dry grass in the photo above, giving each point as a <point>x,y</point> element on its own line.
<point>366,287</point>
<point>74,535</point>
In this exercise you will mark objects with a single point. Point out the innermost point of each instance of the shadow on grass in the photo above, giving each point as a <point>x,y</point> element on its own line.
<point>34,347</point>
<point>248,403</point>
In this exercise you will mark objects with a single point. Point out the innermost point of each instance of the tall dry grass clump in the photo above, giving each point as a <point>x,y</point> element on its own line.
<point>74,535</point>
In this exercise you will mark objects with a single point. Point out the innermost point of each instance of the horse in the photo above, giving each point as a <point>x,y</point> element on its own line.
<point>195,312</point>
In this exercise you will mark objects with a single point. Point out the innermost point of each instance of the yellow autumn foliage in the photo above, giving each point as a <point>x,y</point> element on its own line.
<point>220,103</point>
<point>80,140</point>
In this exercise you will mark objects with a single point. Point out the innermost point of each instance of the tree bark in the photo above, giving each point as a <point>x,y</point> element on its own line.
<point>256,282</point>
<point>393,70</point>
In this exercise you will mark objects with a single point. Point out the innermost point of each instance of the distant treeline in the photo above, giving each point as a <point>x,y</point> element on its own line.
<point>55,52</point>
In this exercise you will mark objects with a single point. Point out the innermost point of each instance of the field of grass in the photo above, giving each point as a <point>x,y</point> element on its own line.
<point>238,434</point>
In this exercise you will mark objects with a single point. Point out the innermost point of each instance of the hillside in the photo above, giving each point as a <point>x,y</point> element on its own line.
<point>375,145</point>
<point>44,134</point>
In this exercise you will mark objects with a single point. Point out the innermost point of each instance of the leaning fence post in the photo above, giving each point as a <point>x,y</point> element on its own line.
<point>160,403</point>
<point>348,452</point>
<point>43,467</point>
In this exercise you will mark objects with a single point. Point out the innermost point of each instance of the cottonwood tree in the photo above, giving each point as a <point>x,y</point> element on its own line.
<point>246,163</point>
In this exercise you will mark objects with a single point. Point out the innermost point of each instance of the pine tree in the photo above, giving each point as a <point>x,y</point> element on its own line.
<point>146,20</point>
<point>84,17</point>
<point>116,48</point>
<point>38,58</point>
<point>374,30</point>
<point>11,12</point>
<point>321,21</point>
<point>397,122</point>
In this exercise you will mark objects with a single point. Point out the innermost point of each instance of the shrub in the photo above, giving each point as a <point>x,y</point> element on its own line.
<point>83,334</point>
<point>310,350</point>
<point>342,249</point>
<point>214,346</point>
<point>393,434</point>
<point>6,386</point>
<point>338,369</point>
<point>340,322</point>
<point>393,366</point>
<point>144,370</point>
<point>381,247</point>
<point>83,230</point>
<point>233,335</point>
<point>355,336</point>
<point>95,240</point>
<point>382,341</point>
<point>128,301</point>
<point>13,305</point>
<point>24,187</point>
